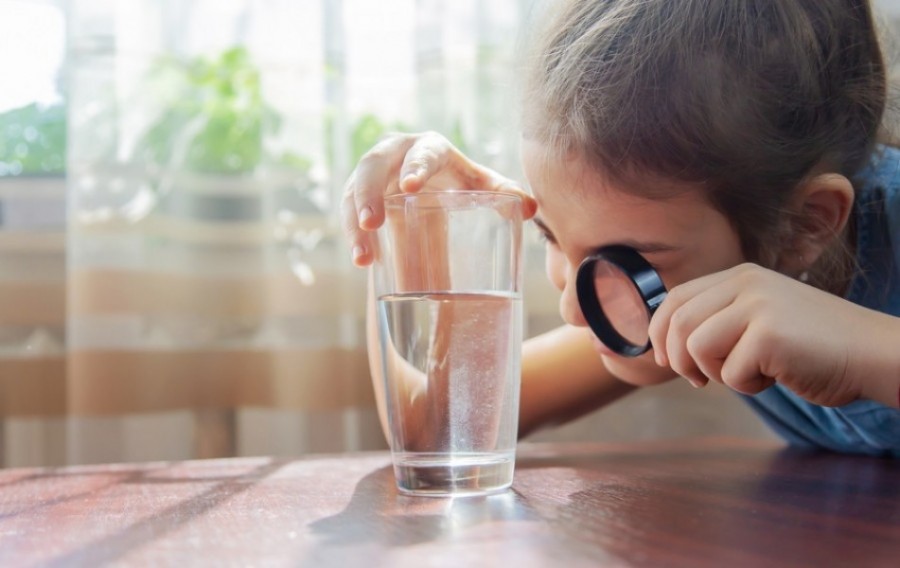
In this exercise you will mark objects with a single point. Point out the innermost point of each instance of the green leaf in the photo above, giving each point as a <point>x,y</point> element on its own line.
<point>33,140</point>
<point>214,118</point>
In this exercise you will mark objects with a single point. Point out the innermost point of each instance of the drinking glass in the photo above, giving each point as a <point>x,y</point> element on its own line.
<point>448,279</point>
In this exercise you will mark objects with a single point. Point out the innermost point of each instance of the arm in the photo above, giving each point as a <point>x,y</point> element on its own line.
<point>880,374</point>
<point>562,377</point>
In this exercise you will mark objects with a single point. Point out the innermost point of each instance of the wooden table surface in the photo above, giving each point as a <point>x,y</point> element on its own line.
<point>694,503</point>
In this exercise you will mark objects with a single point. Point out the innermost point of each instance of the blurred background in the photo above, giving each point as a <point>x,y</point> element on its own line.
<point>173,279</point>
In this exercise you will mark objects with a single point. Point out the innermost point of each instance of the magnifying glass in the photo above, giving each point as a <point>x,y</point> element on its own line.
<point>618,292</point>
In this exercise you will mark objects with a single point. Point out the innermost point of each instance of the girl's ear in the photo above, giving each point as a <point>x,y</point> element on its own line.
<point>821,209</point>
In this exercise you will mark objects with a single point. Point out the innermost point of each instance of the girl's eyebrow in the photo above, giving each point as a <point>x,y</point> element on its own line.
<point>640,246</point>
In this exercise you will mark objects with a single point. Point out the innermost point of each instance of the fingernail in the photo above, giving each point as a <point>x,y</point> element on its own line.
<point>365,214</point>
<point>358,251</point>
<point>417,173</point>
<point>696,383</point>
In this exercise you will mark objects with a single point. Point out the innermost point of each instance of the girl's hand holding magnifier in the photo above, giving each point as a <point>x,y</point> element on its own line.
<point>749,327</point>
<point>746,327</point>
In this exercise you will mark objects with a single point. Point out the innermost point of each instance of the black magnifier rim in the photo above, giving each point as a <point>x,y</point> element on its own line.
<point>644,278</point>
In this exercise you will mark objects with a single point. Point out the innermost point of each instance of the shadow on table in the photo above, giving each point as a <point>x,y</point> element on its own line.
<point>379,514</point>
<point>388,528</point>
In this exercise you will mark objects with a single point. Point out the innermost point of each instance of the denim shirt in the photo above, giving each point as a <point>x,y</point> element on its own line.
<point>861,427</point>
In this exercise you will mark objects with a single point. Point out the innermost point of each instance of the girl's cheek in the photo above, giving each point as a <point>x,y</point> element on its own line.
<point>555,265</point>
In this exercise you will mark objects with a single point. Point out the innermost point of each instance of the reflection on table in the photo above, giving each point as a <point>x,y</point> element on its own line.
<point>694,503</point>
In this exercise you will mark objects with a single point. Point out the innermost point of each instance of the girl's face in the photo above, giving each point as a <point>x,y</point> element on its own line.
<point>579,211</point>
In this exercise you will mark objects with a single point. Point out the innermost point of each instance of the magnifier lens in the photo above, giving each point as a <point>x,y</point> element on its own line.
<point>621,302</point>
<point>618,291</point>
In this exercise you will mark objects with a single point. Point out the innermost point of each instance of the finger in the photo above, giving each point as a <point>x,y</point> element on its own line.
<point>424,159</point>
<point>681,325</point>
<point>686,368</point>
<point>489,179</point>
<point>741,370</point>
<point>376,171</point>
<point>361,245</point>
<point>433,157</point>
<point>690,307</point>
<point>682,343</point>
<point>675,299</point>
<point>496,182</point>
<point>713,340</point>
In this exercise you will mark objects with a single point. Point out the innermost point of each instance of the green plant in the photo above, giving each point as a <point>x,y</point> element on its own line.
<point>369,129</point>
<point>33,140</point>
<point>366,132</point>
<point>214,117</point>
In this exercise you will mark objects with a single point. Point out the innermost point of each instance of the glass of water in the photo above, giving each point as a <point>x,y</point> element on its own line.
<point>448,279</point>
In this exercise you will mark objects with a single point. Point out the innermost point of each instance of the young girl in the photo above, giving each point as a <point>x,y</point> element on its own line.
<point>733,145</point>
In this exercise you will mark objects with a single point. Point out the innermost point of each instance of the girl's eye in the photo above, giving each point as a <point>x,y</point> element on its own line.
<point>547,238</point>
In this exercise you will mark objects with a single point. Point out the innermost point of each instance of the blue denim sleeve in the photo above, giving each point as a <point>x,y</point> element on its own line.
<point>892,211</point>
<point>864,426</point>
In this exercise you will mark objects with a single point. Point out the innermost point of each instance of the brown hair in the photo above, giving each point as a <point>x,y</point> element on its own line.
<point>745,98</point>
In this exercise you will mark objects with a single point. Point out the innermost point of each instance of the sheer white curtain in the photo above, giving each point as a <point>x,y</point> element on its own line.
<point>211,308</point>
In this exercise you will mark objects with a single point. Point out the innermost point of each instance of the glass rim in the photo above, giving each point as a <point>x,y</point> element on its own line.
<point>401,199</point>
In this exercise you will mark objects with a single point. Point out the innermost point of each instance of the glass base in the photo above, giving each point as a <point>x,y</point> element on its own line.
<point>458,475</point>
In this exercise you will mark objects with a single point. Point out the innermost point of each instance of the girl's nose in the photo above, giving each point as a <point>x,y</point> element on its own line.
<point>569,308</point>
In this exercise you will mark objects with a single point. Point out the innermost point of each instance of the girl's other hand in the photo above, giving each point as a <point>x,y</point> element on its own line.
<point>749,327</point>
<point>408,163</point>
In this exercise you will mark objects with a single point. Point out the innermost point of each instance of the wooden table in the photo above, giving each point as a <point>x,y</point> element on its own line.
<point>693,503</point>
